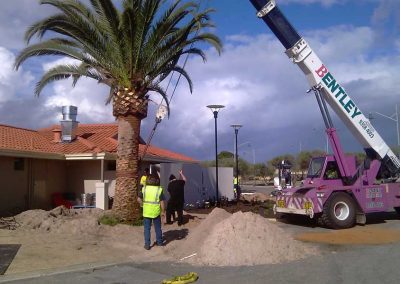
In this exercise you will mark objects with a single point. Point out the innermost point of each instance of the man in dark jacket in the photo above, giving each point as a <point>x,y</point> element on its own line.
<point>176,189</point>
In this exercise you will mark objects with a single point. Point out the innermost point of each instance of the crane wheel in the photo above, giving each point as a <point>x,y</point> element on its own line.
<point>397,210</point>
<point>339,211</point>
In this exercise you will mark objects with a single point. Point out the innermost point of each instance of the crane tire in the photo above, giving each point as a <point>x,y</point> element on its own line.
<point>397,209</point>
<point>339,211</point>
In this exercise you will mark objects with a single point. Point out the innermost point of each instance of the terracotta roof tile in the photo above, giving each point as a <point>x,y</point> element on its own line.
<point>92,138</point>
<point>14,138</point>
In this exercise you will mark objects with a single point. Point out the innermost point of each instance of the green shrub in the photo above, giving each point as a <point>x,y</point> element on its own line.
<point>110,220</point>
<point>138,222</point>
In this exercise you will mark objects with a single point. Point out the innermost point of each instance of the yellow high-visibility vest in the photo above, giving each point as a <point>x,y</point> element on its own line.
<point>151,201</point>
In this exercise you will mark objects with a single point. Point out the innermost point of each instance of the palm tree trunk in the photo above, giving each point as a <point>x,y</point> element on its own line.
<point>125,204</point>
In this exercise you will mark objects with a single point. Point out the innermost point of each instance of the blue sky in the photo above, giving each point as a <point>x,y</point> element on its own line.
<point>261,88</point>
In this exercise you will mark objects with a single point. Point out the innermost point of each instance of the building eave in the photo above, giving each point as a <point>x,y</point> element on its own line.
<point>83,156</point>
<point>88,156</point>
<point>31,154</point>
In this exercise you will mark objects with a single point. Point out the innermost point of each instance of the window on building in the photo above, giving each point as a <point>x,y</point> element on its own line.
<point>19,164</point>
<point>111,165</point>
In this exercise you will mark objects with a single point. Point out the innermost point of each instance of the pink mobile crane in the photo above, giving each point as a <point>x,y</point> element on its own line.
<point>335,191</point>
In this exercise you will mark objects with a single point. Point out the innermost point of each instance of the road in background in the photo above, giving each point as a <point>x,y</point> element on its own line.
<point>262,189</point>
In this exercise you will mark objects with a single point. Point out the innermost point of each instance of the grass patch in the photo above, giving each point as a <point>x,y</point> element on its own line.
<point>269,204</point>
<point>138,222</point>
<point>109,220</point>
<point>112,220</point>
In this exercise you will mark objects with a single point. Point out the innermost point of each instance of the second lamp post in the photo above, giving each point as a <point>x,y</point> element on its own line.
<point>215,109</point>
<point>236,181</point>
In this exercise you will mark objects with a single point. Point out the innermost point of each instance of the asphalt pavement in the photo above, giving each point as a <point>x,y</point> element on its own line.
<point>356,264</point>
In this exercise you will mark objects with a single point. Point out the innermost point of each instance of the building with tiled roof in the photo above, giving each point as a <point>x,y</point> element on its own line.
<point>36,164</point>
<point>91,139</point>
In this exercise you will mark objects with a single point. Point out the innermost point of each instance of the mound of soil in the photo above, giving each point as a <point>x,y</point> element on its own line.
<point>262,208</point>
<point>225,239</point>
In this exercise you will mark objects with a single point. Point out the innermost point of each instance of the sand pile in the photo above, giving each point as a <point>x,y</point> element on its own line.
<point>61,220</point>
<point>243,239</point>
<point>197,236</point>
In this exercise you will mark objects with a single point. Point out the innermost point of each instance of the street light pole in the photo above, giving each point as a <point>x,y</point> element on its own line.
<point>215,109</point>
<point>236,127</point>
<point>396,115</point>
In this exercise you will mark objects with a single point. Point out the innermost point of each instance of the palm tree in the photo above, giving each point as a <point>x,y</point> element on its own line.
<point>132,50</point>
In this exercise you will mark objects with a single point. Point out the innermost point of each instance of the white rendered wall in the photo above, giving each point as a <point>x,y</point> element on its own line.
<point>200,182</point>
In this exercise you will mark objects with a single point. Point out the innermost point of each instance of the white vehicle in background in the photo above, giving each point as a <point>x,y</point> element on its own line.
<point>284,178</point>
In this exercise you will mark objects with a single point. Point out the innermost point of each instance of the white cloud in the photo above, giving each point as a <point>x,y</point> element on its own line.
<point>16,18</point>
<point>386,22</point>
<point>87,95</point>
<point>11,82</point>
<point>265,92</point>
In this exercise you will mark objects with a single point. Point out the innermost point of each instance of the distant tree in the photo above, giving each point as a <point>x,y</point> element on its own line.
<point>263,171</point>
<point>244,168</point>
<point>303,160</point>
<point>225,155</point>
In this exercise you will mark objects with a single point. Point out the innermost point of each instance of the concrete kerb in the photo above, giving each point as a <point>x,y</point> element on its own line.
<point>49,272</point>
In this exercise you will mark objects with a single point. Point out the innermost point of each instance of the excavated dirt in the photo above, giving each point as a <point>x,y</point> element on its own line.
<point>63,237</point>
<point>245,239</point>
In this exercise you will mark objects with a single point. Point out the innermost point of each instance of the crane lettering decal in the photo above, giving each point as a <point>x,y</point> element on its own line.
<point>339,93</point>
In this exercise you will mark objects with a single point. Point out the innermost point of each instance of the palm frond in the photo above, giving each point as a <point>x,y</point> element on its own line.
<point>50,47</point>
<point>61,72</point>
<point>135,47</point>
<point>159,90</point>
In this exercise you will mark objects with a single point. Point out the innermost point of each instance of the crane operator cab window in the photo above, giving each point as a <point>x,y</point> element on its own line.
<point>332,171</point>
<point>315,167</point>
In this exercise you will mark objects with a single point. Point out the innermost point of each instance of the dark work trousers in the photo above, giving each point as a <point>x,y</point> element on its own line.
<point>173,206</point>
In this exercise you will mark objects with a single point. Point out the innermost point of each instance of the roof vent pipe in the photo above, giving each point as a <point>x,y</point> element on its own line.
<point>69,124</point>
<point>56,135</point>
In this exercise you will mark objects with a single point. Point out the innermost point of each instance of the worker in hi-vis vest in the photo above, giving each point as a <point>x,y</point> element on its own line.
<point>152,197</point>
<point>236,187</point>
<point>144,178</point>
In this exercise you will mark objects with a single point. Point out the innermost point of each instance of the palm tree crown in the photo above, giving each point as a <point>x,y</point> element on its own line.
<point>135,49</point>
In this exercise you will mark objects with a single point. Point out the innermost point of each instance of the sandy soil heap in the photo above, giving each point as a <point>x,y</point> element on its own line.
<point>243,239</point>
<point>61,220</point>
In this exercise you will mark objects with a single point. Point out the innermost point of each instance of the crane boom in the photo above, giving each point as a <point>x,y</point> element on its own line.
<point>319,77</point>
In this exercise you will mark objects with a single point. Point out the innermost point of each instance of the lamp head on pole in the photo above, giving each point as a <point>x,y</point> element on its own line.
<point>236,127</point>
<point>215,109</point>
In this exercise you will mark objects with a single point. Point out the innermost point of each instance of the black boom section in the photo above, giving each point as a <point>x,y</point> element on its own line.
<point>278,24</point>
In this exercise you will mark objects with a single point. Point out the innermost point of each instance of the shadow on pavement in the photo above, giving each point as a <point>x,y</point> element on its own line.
<point>173,235</point>
<point>381,217</point>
